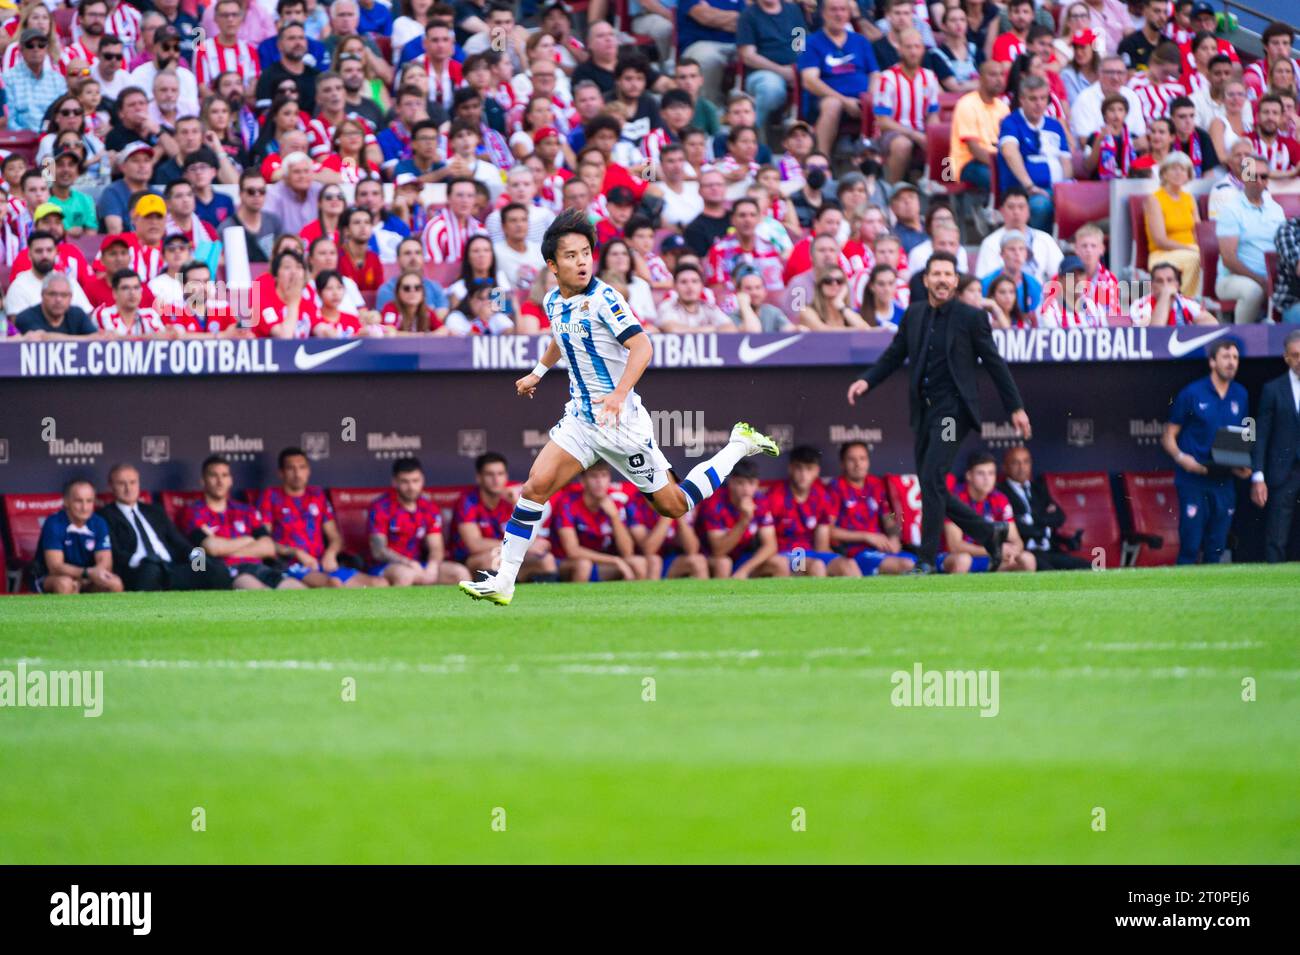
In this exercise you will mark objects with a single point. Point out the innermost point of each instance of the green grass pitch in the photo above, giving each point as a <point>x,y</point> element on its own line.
<point>1120,690</point>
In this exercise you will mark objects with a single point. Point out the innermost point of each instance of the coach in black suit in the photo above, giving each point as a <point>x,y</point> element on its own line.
<point>149,553</point>
<point>940,339</point>
<point>1276,457</point>
<point>1038,516</point>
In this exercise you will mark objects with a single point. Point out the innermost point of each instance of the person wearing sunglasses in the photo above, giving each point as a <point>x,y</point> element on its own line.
<point>108,68</point>
<point>1247,229</point>
<point>31,87</point>
<point>260,227</point>
<point>66,114</point>
<point>33,16</point>
<point>829,309</point>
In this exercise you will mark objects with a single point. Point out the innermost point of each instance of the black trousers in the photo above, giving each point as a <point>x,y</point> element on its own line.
<point>942,429</point>
<point>153,574</point>
<point>1059,560</point>
<point>1279,514</point>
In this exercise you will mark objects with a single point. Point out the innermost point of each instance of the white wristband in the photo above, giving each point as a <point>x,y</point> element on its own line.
<point>540,370</point>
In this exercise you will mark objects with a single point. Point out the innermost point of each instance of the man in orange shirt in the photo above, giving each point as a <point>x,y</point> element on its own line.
<point>975,123</point>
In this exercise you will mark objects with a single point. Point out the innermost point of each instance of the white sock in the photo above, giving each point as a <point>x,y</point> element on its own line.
<point>516,539</point>
<point>707,476</point>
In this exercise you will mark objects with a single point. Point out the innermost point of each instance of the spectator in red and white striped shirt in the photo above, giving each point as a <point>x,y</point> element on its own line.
<point>226,53</point>
<point>907,93</point>
<point>1282,152</point>
<point>1278,39</point>
<point>120,20</point>
<point>126,317</point>
<point>1159,86</point>
<point>448,231</point>
<point>331,99</point>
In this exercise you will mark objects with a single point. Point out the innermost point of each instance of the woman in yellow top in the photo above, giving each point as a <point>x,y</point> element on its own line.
<point>1171,215</point>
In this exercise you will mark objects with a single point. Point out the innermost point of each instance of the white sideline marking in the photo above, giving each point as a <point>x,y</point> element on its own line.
<point>1140,646</point>
<point>608,666</point>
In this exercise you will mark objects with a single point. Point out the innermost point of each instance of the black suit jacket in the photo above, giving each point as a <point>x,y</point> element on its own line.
<point>969,338</point>
<point>125,539</point>
<point>1046,513</point>
<point>1277,432</point>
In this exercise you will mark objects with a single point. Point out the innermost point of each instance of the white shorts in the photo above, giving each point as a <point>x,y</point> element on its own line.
<point>629,447</point>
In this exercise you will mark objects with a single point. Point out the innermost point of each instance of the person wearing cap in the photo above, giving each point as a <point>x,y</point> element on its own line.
<point>1068,301</point>
<point>211,206</point>
<point>48,217</point>
<point>42,259</point>
<point>905,204</point>
<point>30,86</point>
<point>1082,55</point>
<point>149,224</point>
<point>620,204</point>
<point>165,54</point>
<point>168,286</point>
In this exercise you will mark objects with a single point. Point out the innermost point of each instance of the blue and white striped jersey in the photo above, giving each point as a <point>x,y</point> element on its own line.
<point>590,329</point>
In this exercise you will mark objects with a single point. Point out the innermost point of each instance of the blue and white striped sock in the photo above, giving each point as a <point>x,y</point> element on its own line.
<point>519,533</point>
<point>707,476</point>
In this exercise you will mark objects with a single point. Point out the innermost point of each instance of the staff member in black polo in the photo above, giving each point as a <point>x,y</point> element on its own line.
<point>1276,480</point>
<point>940,339</point>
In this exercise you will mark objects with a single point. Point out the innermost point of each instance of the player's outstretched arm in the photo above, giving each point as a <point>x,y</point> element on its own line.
<point>526,385</point>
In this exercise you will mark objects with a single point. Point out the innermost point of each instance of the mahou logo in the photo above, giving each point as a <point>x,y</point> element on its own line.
<point>74,450</point>
<point>235,447</point>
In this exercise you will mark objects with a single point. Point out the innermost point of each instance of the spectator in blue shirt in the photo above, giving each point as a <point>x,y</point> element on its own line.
<point>375,18</point>
<point>764,37</point>
<point>292,11</point>
<point>1206,493</point>
<point>1033,151</point>
<point>706,33</point>
<point>1247,228</point>
<point>75,552</point>
<point>30,87</point>
<point>836,68</point>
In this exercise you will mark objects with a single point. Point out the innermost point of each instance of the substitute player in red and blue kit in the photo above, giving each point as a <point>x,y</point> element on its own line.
<point>802,511</point>
<point>864,529</point>
<point>480,519</point>
<point>301,520</point>
<point>981,495</point>
<point>590,535</point>
<point>740,529</point>
<point>669,543</point>
<point>405,532</point>
<point>233,531</point>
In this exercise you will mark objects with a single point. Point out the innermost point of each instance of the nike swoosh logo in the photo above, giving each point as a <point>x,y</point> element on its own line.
<point>304,360</point>
<point>1178,348</point>
<point>750,355</point>
<point>833,60</point>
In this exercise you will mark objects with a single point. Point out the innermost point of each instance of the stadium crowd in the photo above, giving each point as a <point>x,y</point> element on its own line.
<point>378,169</point>
<point>288,536</point>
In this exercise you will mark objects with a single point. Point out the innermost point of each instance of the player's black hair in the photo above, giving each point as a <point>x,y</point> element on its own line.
<point>805,454</point>
<point>41,234</point>
<point>979,457</point>
<point>406,466</point>
<point>120,276</point>
<point>212,460</point>
<point>489,457</point>
<point>73,482</point>
<point>849,445</point>
<point>745,469</point>
<point>1213,350</point>
<point>287,453</point>
<point>942,257</point>
<point>572,222</point>
<point>676,97</point>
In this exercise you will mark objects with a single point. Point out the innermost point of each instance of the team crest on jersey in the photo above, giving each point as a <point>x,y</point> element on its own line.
<point>239,527</point>
<point>1234,408</point>
<point>313,510</point>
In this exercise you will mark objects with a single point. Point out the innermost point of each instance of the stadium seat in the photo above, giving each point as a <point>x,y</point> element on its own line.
<point>1086,499</point>
<point>390,270</point>
<point>1208,239</point>
<point>1270,273</point>
<point>938,142</point>
<point>1152,507</point>
<point>385,45</point>
<point>1077,204</point>
<point>24,515</point>
<point>4,562</point>
<point>1290,203</point>
<point>63,17</point>
<point>88,245</point>
<point>369,297</point>
<point>442,273</point>
<point>868,117</point>
<point>350,507</point>
<point>948,103</point>
<point>21,142</point>
<point>446,496</point>
<point>174,502</point>
<point>1138,226</point>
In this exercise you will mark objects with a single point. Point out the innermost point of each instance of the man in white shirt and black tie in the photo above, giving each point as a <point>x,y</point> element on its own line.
<point>149,553</point>
<point>1038,516</point>
<point>1275,483</point>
